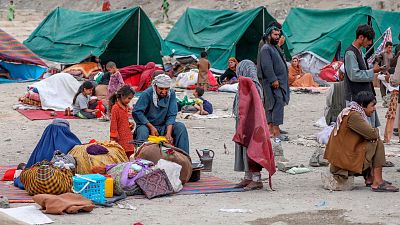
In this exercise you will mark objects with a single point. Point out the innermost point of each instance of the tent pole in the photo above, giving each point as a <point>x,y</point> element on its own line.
<point>263,21</point>
<point>138,37</point>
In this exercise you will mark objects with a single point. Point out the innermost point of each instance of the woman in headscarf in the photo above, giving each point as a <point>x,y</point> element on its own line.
<point>56,136</point>
<point>297,77</point>
<point>253,149</point>
<point>229,75</point>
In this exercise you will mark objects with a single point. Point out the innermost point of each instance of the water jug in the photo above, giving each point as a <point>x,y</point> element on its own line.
<point>206,159</point>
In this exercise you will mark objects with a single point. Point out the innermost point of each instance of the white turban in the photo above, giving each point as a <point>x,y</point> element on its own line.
<point>163,81</point>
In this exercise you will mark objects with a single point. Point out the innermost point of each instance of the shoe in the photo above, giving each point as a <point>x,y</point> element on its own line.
<point>283,131</point>
<point>253,186</point>
<point>283,137</point>
<point>242,183</point>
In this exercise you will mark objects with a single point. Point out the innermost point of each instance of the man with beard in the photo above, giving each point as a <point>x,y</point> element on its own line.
<point>358,76</point>
<point>274,80</point>
<point>155,113</point>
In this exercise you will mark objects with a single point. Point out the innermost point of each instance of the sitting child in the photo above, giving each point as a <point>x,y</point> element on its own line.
<point>201,106</point>
<point>83,106</point>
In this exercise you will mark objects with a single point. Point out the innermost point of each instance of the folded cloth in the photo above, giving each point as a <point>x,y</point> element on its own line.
<point>68,202</point>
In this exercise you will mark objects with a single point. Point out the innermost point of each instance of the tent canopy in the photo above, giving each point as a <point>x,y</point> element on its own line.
<point>69,36</point>
<point>323,32</point>
<point>19,61</point>
<point>223,33</point>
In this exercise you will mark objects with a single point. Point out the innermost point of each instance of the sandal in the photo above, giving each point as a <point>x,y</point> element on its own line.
<point>388,164</point>
<point>384,181</point>
<point>385,188</point>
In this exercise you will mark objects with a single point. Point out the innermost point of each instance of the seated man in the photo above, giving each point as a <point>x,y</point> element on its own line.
<point>155,114</point>
<point>354,147</point>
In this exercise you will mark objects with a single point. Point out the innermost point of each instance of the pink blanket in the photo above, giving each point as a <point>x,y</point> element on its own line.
<point>252,130</point>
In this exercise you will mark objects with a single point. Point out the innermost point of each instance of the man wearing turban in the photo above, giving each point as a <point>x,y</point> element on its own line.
<point>155,113</point>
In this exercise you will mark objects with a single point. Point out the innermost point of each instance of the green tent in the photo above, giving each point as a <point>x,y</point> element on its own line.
<point>124,36</point>
<point>385,19</point>
<point>223,33</point>
<point>326,32</point>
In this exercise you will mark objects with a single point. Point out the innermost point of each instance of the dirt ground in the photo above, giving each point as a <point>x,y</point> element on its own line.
<point>300,198</point>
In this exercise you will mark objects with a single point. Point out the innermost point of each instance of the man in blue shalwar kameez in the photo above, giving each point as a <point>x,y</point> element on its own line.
<point>155,113</point>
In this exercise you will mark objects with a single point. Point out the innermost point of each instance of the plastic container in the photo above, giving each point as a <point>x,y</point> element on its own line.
<point>101,109</point>
<point>90,186</point>
<point>109,187</point>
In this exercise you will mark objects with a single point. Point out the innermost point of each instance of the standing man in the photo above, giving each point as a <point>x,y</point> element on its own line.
<point>358,76</point>
<point>11,11</point>
<point>165,8</point>
<point>274,78</point>
<point>384,59</point>
<point>203,65</point>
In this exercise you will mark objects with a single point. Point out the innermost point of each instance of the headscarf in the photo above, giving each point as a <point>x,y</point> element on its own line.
<point>354,106</point>
<point>246,68</point>
<point>163,81</point>
<point>269,30</point>
<point>232,59</point>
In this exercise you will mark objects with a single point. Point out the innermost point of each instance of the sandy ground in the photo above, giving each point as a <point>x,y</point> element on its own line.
<point>294,193</point>
<point>298,199</point>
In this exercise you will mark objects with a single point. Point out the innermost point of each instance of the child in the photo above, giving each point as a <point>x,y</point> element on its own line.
<point>203,106</point>
<point>203,65</point>
<point>116,81</point>
<point>120,127</point>
<point>81,106</point>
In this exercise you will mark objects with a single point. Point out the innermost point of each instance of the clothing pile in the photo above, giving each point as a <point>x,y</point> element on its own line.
<point>85,70</point>
<point>31,97</point>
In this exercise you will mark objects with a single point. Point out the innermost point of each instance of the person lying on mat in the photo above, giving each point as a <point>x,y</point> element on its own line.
<point>155,113</point>
<point>355,148</point>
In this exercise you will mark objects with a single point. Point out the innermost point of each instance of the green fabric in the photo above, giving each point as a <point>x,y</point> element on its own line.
<point>223,33</point>
<point>386,19</point>
<point>323,31</point>
<point>10,12</point>
<point>185,101</point>
<point>69,36</point>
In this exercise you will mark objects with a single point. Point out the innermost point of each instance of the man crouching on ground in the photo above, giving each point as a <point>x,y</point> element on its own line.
<point>155,114</point>
<point>354,147</point>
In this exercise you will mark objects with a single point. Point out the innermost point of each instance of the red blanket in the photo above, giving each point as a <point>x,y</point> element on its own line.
<point>252,130</point>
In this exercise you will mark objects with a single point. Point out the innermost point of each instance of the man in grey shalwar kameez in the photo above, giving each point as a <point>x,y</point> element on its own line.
<point>274,74</point>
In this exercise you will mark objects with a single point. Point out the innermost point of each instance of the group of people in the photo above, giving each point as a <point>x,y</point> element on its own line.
<point>354,147</point>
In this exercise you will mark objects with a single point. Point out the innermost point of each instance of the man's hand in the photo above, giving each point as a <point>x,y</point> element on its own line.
<point>387,77</point>
<point>169,138</point>
<point>275,84</point>
<point>377,69</point>
<point>152,129</point>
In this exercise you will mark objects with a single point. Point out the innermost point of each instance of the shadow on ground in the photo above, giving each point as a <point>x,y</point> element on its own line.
<point>334,217</point>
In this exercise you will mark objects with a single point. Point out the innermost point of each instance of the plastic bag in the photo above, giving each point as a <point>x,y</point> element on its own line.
<point>323,136</point>
<point>229,88</point>
<point>186,79</point>
<point>173,171</point>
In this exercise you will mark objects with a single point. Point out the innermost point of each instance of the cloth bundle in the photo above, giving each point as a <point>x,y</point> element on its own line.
<point>155,184</point>
<point>126,174</point>
<point>68,202</point>
<point>86,162</point>
<point>63,160</point>
<point>45,178</point>
<point>154,152</point>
